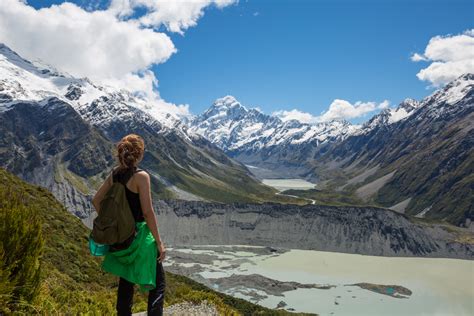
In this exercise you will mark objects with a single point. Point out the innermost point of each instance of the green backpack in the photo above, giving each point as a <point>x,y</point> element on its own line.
<point>115,222</point>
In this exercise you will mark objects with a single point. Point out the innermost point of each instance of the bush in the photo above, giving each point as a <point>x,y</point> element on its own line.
<point>21,246</point>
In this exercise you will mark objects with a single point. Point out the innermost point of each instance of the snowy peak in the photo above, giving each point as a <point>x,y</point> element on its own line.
<point>454,98</point>
<point>402,111</point>
<point>392,115</point>
<point>37,68</point>
<point>226,107</point>
<point>454,91</point>
<point>8,55</point>
<point>441,103</point>
<point>229,109</point>
<point>22,80</point>
<point>234,127</point>
<point>227,102</point>
<point>409,104</point>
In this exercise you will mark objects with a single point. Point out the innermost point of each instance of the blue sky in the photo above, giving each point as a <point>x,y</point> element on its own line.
<point>282,55</point>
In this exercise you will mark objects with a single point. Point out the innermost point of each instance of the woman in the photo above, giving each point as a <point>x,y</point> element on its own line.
<point>130,152</point>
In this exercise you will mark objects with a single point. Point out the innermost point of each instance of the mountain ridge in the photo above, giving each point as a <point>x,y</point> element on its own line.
<point>60,132</point>
<point>363,161</point>
<point>424,161</point>
<point>234,127</point>
<point>383,162</point>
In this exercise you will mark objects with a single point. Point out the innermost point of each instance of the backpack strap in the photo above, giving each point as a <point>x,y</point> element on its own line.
<point>123,177</point>
<point>114,175</point>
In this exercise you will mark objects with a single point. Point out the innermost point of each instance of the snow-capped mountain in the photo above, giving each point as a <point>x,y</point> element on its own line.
<point>23,80</point>
<point>59,131</point>
<point>390,115</point>
<point>438,104</point>
<point>235,128</point>
<point>451,98</point>
<point>422,163</point>
<point>418,154</point>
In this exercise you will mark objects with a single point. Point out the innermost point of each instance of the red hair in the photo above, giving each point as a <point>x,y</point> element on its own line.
<point>129,150</point>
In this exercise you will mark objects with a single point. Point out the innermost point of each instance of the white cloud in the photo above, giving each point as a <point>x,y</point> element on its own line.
<point>295,114</point>
<point>417,57</point>
<point>93,44</point>
<point>342,109</point>
<point>145,83</point>
<point>176,15</point>
<point>338,110</point>
<point>108,46</point>
<point>450,57</point>
<point>384,105</point>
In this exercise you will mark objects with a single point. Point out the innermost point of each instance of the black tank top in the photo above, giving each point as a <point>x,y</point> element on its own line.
<point>133,198</point>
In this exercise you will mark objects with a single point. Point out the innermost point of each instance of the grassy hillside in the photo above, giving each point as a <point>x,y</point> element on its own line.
<point>328,197</point>
<point>71,279</point>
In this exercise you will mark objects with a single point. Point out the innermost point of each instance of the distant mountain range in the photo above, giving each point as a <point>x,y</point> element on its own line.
<point>59,131</point>
<point>234,128</point>
<point>416,158</point>
<point>286,147</point>
<point>258,139</point>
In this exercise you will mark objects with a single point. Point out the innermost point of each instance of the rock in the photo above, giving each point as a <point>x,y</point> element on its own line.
<point>396,291</point>
<point>261,283</point>
<point>281,304</point>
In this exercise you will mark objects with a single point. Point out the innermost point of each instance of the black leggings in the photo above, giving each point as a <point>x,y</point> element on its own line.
<point>155,297</point>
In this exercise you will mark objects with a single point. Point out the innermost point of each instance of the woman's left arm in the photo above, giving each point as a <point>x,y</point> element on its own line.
<point>101,192</point>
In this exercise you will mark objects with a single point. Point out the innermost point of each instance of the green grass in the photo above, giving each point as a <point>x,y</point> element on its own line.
<point>61,173</point>
<point>328,197</point>
<point>227,185</point>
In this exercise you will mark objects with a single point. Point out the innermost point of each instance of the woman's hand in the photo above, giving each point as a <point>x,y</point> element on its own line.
<point>161,251</point>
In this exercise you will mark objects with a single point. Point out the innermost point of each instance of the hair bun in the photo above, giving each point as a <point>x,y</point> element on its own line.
<point>129,150</point>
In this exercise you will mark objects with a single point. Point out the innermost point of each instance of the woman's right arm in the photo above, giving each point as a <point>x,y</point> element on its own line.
<point>144,190</point>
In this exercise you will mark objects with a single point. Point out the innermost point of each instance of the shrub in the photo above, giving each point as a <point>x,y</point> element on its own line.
<point>21,246</point>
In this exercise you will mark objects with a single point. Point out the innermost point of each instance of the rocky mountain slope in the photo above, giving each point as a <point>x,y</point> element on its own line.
<point>422,165</point>
<point>416,158</point>
<point>48,143</point>
<point>361,230</point>
<point>59,131</point>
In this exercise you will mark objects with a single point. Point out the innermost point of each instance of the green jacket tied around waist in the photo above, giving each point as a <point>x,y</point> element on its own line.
<point>137,263</point>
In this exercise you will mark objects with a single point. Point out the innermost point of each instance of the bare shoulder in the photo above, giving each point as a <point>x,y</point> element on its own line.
<point>142,176</point>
